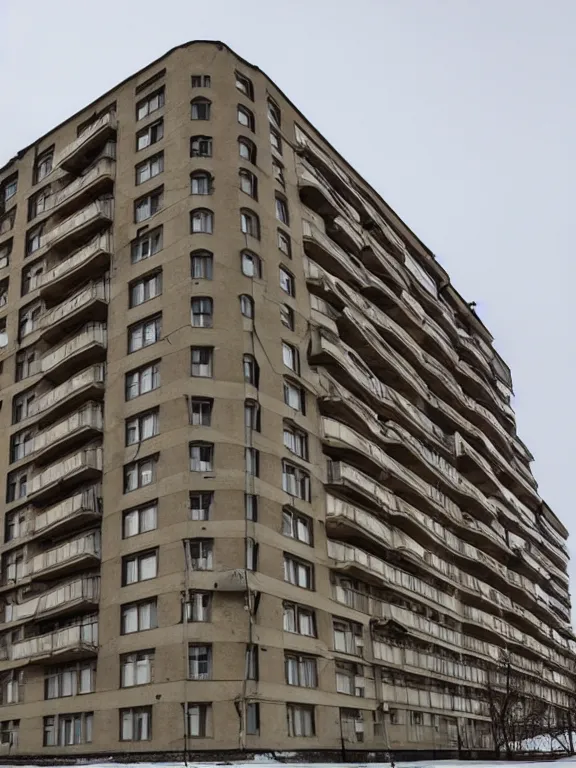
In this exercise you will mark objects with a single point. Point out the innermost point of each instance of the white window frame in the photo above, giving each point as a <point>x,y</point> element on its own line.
<point>146,245</point>
<point>136,669</point>
<point>202,368</point>
<point>143,380</point>
<point>201,457</point>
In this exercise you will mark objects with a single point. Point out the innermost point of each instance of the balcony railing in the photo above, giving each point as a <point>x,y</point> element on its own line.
<point>65,597</point>
<point>86,422</point>
<point>80,552</point>
<point>81,224</point>
<point>74,640</point>
<point>90,260</point>
<point>84,507</point>
<point>443,702</point>
<point>89,303</point>
<point>83,466</point>
<point>74,156</point>
<point>89,185</point>
<point>89,345</point>
<point>83,386</point>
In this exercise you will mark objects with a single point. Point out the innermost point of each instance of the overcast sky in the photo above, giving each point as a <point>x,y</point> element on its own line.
<point>461,113</point>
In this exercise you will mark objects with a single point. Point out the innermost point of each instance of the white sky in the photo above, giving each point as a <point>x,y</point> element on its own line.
<point>461,113</point>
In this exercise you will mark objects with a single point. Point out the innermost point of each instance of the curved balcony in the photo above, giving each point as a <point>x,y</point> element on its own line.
<point>84,386</point>
<point>86,347</point>
<point>80,553</point>
<point>75,156</point>
<point>74,596</point>
<point>85,466</point>
<point>82,509</point>
<point>69,643</point>
<point>90,260</point>
<point>81,190</point>
<point>67,434</point>
<point>319,247</point>
<point>88,304</point>
<point>81,225</point>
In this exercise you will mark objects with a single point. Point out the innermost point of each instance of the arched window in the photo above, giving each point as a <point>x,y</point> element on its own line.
<point>201,265</point>
<point>247,150</point>
<point>245,117</point>
<point>247,306</point>
<point>201,146</point>
<point>250,223</point>
<point>200,183</point>
<point>200,109</point>
<point>244,85</point>
<point>248,183</point>
<point>251,264</point>
<point>202,220</point>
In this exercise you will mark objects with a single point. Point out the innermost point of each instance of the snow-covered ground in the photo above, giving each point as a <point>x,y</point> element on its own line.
<point>262,762</point>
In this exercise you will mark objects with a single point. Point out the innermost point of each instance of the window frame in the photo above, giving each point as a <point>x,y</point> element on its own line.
<point>153,133</point>
<point>153,237</point>
<point>148,205</point>
<point>204,461</point>
<point>209,351</point>
<point>248,120</point>
<point>206,217</point>
<point>148,163</point>
<point>208,257</point>
<point>200,108</point>
<point>159,95</point>
<point>139,513</point>
<point>201,140</point>
<point>143,369</point>
<point>137,466</point>
<point>152,321</point>
<point>202,312</point>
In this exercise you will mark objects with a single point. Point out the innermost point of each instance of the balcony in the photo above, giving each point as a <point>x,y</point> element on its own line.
<point>81,225</point>
<point>86,385</point>
<point>69,643</point>
<point>80,553</point>
<point>405,696</point>
<point>94,182</point>
<point>88,304</point>
<point>75,156</point>
<point>86,347</point>
<point>85,466</point>
<point>319,247</point>
<point>77,595</point>
<point>77,511</point>
<point>93,259</point>
<point>67,434</point>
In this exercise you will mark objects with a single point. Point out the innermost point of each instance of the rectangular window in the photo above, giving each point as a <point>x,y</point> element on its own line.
<point>202,361</point>
<point>300,720</point>
<point>139,473</point>
<point>199,662</point>
<point>67,730</point>
<point>144,333</point>
<point>294,396</point>
<point>150,135</point>
<point>201,504</point>
<point>199,553</point>
<point>146,288</point>
<point>201,411</point>
<point>69,680</point>
<point>290,357</point>
<point>201,312</point>
<point>287,282</point>
<point>348,679</point>
<point>199,607</point>
<point>139,567</point>
<point>201,457</point>
<point>253,718</point>
<point>252,415</point>
<point>25,360</point>
<point>297,526</point>
<point>251,507</point>
<point>252,548</point>
<point>287,316</point>
<point>148,205</point>
<point>252,456</point>
<point>15,525</point>
<point>17,485</point>
<point>136,668</point>
<point>298,572</point>
<point>347,636</point>
<point>252,662</point>
<point>200,81</point>
<point>201,265</point>
<point>142,380</point>
<point>296,440</point>
<point>136,724</point>
<point>142,427</point>
<point>295,481</point>
<point>146,245</point>
<point>282,211</point>
<point>199,720</point>
<point>137,617</point>
<point>301,670</point>
<point>151,103</point>
<point>140,520</point>
<point>21,445</point>
<point>149,168</point>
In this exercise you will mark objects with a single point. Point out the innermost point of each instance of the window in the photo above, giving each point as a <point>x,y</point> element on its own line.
<point>25,360</point>
<point>347,636</point>
<point>347,677</point>
<point>287,282</point>
<point>247,306</point>
<point>69,680</point>
<point>149,168</point>
<point>245,117</point>
<point>200,109</point>
<point>244,85</point>
<point>201,505</point>
<point>199,553</point>
<point>251,264</point>
<point>142,427</point>
<point>252,460</point>
<point>299,619</point>
<point>145,333</point>
<point>274,114</point>
<point>296,440</point>
<point>201,457</point>
<point>201,265</point>
<point>252,662</point>
<point>22,406</point>
<point>9,732</point>
<point>284,243</point>
<point>287,316</point>
<point>201,146</point>
<point>150,135</point>
<point>146,288</point>
<point>251,507</point>
<point>276,141</point>
<point>142,380</point>
<point>139,567</point>
<point>248,183</point>
<point>8,189</point>
<point>145,207</point>
<point>301,670</point>
<point>14,566</point>
<point>251,555</point>
<point>17,485</point>
<point>252,415</point>
<point>21,445</point>
<point>252,718</point>
<point>250,223</point>
<point>352,725</point>
<point>199,606</point>
<point>199,662</point>
<point>247,150</point>
<point>146,245</point>
<point>136,724</point>
<point>199,720</point>
<point>15,525</point>
<point>251,370</point>
<point>202,361</point>
<point>43,166</point>
<point>37,203</point>
<point>140,520</point>
<point>278,172</point>
<point>139,474</point>
<point>300,720</point>
<point>201,411</point>
<point>200,183</point>
<point>5,251</point>
<point>12,687</point>
<point>151,103</point>
<point>201,312</point>
<point>136,668</point>
<point>202,220</point>
<point>200,81</point>
<point>290,357</point>
<point>34,239</point>
<point>295,481</point>
<point>282,211</point>
<point>298,572</point>
<point>29,317</point>
<point>30,275</point>
<point>296,525</point>
<point>137,617</point>
<point>67,730</point>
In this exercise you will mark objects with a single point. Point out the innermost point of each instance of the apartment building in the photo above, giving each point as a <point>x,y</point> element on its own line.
<point>262,483</point>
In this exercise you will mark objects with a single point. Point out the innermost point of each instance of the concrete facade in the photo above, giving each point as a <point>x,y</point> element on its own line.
<point>244,385</point>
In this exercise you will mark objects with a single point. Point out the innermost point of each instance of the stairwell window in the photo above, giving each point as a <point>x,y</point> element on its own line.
<point>298,572</point>
<point>295,481</point>
<point>290,357</point>
<point>247,306</point>
<point>138,617</point>
<point>200,183</point>
<point>201,265</point>
<point>147,206</point>
<point>245,117</point>
<point>140,520</point>
<point>152,103</point>
<point>201,312</point>
<point>139,567</point>
<point>301,720</point>
<point>247,150</point>
<point>201,361</point>
<point>152,134</point>
<point>201,146</point>
<point>149,168</point>
<point>248,183</point>
<point>299,619</point>
<point>136,724</point>
<point>136,668</point>
<point>287,282</point>
<point>199,662</point>
<point>145,288</point>
<point>142,380</point>
<point>139,474</point>
<point>250,223</point>
<point>199,554</point>
<point>145,333</point>
<point>146,245</point>
<point>282,210</point>
<point>201,221</point>
<point>200,109</point>
<point>244,85</point>
<point>251,370</point>
<point>201,457</point>
<point>201,503</point>
<point>251,265</point>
